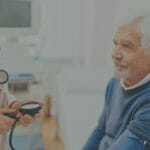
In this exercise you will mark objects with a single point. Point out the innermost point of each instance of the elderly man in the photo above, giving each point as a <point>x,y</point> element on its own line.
<point>125,121</point>
<point>9,105</point>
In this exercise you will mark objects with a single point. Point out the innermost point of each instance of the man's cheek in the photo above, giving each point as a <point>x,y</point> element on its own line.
<point>125,53</point>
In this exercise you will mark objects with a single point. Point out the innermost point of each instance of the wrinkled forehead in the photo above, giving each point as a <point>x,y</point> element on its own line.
<point>128,33</point>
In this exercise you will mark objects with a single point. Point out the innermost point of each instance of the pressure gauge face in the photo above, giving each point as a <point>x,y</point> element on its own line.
<point>3,76</point>
<point>30,108</point>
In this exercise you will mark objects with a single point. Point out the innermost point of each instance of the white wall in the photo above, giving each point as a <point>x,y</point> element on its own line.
<point>83,28</point>
<point>61,28</point>
<point>128,7</point>
<point>78,29</point>
<point>104,25</point>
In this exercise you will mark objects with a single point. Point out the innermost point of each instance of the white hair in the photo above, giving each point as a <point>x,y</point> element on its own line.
<point>143,27</point>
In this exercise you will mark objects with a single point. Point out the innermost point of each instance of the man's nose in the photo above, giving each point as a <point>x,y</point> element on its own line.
<point>117,54</point>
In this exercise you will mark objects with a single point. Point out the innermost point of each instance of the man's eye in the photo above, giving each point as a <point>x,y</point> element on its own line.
<point>115,43</point>
<point>127,45</point>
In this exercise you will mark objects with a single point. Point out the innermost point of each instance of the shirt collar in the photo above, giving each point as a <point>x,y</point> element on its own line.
<point>142,82</point>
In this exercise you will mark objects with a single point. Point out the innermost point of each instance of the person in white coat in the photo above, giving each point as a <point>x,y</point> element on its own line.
<point>8,104</point>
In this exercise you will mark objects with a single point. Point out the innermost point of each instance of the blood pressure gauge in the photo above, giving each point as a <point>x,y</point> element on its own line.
<point>3,76</point>
<point>30,108</point>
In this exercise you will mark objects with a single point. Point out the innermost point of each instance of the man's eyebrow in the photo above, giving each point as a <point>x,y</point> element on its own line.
<point>130,43</point>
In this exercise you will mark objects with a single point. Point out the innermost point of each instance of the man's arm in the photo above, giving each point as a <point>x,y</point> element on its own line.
<point>96,136</point>
<point>137,132</point>
<point>94,140</point>
<point>128,141</point>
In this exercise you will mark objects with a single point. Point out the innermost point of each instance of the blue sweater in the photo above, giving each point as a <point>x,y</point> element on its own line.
<point>125,121</point>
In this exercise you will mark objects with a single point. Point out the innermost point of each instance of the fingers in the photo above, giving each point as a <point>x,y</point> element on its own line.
<point>3,131</point>
<point>5,123</point>
<point>42,103</point>
<point>17,124</point>
<point>22,120</point>
<point>7,110</point>
<point>38,115</point>
<point>9,122</point>
<point>25,120</point>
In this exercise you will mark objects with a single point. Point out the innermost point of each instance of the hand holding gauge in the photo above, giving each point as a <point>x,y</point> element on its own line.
<point>30,108</point>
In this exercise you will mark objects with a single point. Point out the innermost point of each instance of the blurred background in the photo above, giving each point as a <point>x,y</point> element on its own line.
<point>59,52</point>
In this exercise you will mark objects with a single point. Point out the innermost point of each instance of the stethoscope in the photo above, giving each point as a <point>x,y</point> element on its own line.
<point>30,108</point>
<point>3,77</point>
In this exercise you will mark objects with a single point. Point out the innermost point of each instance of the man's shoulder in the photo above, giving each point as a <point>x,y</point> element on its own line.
<point>112,86</point>
<point>114,81</point>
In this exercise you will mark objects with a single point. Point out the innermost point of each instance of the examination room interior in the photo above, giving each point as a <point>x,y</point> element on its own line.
<point>59,52</point>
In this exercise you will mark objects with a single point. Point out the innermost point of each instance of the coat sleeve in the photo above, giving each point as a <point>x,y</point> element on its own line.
<point>9,95</point>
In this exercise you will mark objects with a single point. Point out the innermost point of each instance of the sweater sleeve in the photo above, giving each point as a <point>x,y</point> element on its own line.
<point>96,136</point>
<point>140,124</point>
<point>137,132</point>
<point>128,141</point>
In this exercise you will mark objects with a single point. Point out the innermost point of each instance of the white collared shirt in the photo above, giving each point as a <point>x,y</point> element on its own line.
<point>142,82</point>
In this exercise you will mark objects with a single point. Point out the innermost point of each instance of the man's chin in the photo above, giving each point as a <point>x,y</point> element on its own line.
<point>117,75</point>
<point>121,75</point>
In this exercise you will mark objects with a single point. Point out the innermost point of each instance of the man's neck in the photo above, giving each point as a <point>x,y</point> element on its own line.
<point>132,82</point>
